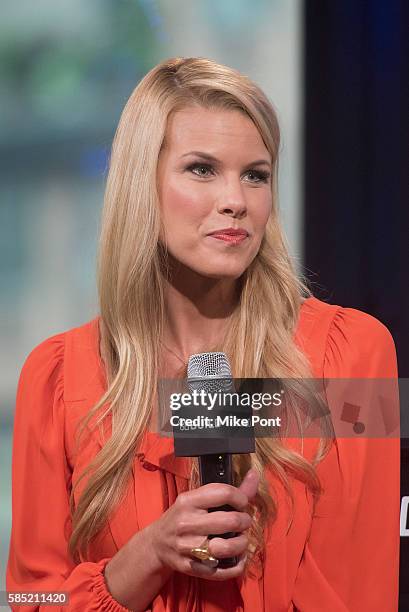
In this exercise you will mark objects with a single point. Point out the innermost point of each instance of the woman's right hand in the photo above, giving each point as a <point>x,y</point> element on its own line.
<point>187,523</point>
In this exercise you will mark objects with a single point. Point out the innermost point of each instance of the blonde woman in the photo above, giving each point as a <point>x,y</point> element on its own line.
<point>192,258</point>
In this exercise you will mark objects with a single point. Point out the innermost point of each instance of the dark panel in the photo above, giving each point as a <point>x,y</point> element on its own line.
<point>357,158</point>
<point>356,180</point>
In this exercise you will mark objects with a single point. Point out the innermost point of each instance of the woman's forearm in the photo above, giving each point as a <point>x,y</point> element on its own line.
<point>134,576</point>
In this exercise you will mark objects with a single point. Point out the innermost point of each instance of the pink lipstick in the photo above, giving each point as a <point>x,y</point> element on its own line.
<point>231,235</point>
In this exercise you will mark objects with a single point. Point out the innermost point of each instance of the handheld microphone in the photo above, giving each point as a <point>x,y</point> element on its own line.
<point>211,373</point>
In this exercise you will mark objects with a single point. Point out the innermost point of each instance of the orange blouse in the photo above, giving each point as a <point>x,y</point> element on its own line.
<point>341,556</point>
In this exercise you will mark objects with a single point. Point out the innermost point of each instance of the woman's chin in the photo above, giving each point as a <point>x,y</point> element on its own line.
<point>218,272</point>
<point>219,268</point>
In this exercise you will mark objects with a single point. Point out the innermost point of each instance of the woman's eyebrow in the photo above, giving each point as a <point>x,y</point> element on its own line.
<point>211,158</point>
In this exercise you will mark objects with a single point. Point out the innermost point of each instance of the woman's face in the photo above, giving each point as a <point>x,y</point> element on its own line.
<point>214,175</point>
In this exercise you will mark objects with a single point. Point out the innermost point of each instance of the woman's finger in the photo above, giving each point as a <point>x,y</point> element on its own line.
<point>214,495</point>
<point>196,568</point>
<point>249,485</point>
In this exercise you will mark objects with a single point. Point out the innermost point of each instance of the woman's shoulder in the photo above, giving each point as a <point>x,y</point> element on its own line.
<point>343,340</point>
<point>320,315</point>
<point>66,358</point>
<point>318,311</point>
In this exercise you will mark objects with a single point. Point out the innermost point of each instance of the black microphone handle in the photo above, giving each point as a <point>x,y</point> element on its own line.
<point>218,468</point>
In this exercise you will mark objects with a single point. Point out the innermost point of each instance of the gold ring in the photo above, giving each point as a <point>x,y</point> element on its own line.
<point>202,553</point>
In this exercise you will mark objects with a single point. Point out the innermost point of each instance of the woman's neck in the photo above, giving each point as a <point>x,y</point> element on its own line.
<point>198,310</point>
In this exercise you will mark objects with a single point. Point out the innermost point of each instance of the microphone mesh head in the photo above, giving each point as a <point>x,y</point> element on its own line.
<point>206,365</point>
<point>210,372</point>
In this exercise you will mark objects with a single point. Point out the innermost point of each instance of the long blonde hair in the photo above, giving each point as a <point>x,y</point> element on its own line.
<point>131,276</point>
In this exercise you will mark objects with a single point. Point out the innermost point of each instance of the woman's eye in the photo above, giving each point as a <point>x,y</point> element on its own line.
<point>259,176</point>
<point>201,167</point>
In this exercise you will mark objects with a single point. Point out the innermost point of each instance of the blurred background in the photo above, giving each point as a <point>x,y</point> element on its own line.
<point>337,73</point>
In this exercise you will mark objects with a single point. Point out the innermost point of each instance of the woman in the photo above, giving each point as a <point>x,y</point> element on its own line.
<point>192,258</point>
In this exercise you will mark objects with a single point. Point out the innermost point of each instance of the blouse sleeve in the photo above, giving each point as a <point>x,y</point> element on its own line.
<point>41,482</point>
<point>351,558</point>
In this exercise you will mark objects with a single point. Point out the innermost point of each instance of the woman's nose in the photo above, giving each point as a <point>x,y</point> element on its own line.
<point>233,202</point>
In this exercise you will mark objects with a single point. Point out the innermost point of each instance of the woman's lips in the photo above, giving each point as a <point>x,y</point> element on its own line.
<point>230,235</point>
<point>232,238</point>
